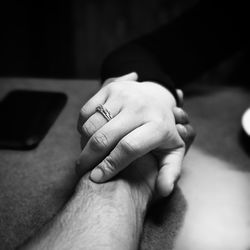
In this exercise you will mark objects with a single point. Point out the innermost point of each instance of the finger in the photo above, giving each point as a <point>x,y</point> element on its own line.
<point>180,115</point>
<point>90,107</point>
<point>97,120</point>
<point>137,143</point>
<point>128,77</point>
<point>187,134</point>
<point>170,170</point>
<point>105,139</point>
<point>180,95</point>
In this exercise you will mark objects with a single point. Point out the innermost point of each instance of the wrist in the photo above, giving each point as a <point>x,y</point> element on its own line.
<point>121,193</point>
<point>119,210</point>
<point>98,216</point>
<point>121,189</point>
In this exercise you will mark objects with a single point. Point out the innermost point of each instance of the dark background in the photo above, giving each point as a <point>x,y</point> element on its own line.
<point>69,39</point>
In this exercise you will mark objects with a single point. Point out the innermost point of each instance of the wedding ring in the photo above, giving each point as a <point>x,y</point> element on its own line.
<point>105,112</point>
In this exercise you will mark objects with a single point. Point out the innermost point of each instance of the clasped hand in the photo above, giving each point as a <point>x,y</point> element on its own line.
<point>145,119</point>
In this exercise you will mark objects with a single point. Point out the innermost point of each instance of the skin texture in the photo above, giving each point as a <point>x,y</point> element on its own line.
<point>107,215</point>
<point>102,216</point>
<point>144,121</point>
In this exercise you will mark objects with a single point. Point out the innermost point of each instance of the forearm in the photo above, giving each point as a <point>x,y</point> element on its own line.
<point>98,216</point>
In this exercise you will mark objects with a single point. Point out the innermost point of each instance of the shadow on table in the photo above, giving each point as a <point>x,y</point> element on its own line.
<point>163,222</point>
<point>216,113</point>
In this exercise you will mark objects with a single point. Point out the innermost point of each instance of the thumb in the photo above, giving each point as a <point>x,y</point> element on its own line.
<point>128,77</point>
<point>170,170</point>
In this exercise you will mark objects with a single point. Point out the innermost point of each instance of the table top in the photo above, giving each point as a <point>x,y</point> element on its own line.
<point>210,208</point>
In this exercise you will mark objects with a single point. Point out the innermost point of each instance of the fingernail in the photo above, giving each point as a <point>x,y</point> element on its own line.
<point>96,175</point>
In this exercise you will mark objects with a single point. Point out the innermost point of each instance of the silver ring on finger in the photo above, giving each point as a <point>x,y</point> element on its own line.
<point>104,112</point>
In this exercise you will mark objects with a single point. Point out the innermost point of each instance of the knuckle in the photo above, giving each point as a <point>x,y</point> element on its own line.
<point>99,142</point>
<point>129,147</point>
<point>88,129</point>
<point>109,166</point>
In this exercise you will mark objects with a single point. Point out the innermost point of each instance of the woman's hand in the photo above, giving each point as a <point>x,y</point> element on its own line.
<point>143,121</point>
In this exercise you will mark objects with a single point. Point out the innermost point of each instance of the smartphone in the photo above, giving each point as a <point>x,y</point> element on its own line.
<point>26,116</point>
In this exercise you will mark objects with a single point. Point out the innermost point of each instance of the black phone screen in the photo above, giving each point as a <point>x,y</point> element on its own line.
<point>26,117</point>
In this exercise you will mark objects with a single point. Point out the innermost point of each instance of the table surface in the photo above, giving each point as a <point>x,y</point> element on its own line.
<point>210,208</point>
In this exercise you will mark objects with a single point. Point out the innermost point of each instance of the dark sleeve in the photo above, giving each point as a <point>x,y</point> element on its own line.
<point>180,51</point>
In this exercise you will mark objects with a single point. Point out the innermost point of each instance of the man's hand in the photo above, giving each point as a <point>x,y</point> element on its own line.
<point>143,121</point>
<point>102,216</point>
